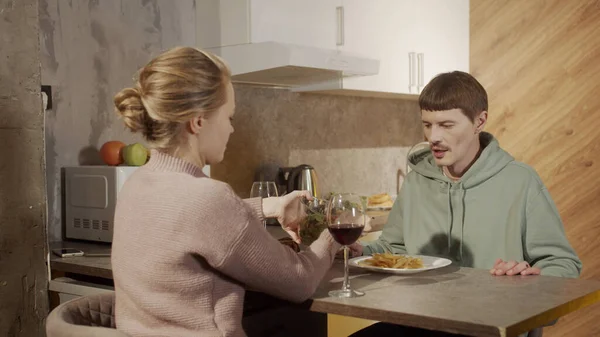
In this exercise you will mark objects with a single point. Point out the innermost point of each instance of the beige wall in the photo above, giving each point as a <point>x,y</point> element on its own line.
<point>356,144</point>
<point>23,277</point>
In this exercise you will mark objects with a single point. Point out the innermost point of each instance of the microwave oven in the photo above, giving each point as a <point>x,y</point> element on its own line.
<point>90,198</point>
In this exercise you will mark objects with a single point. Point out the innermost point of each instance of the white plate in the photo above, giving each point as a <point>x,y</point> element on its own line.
<point>429,263</point>
<point>379,208</point>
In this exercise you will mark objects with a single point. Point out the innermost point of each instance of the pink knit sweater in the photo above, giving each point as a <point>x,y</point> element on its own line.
<point>185,247</point>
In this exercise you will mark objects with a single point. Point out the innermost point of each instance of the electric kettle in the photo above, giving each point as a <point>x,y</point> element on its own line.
<point>302,177</point>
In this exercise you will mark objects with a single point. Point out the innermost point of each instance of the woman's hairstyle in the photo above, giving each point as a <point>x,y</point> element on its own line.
<point>174,87</point>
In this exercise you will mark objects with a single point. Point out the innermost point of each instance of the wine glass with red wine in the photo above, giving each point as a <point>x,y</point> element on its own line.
<point>346,221</point>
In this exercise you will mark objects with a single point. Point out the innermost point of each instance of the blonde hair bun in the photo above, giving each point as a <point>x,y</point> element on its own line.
<point>129,105</point>
<point>172,88</point>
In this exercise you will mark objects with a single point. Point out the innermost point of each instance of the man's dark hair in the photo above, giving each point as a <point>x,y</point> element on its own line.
<point>454,90</point>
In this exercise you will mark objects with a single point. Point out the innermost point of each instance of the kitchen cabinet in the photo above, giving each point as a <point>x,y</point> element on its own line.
<point>413,40</point>
<point>443,38</point>
<point>308,22</point>
<point>313,23</point>
<point>383,31</point>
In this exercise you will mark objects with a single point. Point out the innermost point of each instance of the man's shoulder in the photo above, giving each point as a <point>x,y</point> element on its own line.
<point>515,172</point>
<point>520,172</point>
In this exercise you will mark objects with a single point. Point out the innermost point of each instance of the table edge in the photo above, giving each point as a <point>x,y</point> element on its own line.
<point>417,321</point>
<point>553,314</point>
<point>67,267</point>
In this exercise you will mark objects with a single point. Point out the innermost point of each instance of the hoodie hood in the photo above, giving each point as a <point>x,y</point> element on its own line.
<point>491,161</point>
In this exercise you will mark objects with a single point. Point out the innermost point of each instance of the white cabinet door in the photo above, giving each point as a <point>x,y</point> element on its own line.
<point>443,36</point>
<point>230,22</point>
<point>413,40</point>
<point>307,22</point>
<point>381,29</point>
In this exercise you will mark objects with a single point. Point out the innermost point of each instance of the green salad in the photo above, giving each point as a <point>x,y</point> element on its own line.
<point>316,220</point>
<point>314,223</point>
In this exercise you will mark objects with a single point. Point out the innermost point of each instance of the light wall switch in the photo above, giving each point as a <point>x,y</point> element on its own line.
<point>47,97</point>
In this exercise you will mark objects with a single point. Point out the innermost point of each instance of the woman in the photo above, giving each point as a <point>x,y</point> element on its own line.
<point>185,246</point>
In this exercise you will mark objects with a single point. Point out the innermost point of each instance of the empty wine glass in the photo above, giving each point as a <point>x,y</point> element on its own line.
<point>346,221</point>
<point>263,189</point>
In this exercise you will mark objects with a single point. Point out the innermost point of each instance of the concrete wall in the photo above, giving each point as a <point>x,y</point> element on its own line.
<point>90,50</point>
<point>23,277</point>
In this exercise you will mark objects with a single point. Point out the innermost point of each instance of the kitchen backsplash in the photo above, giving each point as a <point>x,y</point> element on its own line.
<point>356,144</point>
<point>363,171</point>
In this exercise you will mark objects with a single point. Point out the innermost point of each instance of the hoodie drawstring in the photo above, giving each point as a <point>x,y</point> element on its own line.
<point>451,218</point>
<point>462,219</point>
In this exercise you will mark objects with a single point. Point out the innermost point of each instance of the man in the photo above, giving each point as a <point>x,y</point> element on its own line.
<point>468,200</point>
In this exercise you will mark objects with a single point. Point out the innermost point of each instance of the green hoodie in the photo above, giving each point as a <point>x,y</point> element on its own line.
<point>499,209</point>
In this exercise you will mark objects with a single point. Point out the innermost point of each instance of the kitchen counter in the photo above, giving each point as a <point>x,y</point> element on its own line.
<point>95,266</point>
<point>99,266</point>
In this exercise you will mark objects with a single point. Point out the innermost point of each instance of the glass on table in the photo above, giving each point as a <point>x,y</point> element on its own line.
<point>346,221</point>
<point>263,189</point>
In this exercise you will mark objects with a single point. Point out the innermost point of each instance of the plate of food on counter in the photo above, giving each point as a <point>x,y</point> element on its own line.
<point>399,263</point>
<point>380,202</point>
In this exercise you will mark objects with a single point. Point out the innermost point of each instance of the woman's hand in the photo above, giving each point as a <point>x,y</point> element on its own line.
<point>289,211</point>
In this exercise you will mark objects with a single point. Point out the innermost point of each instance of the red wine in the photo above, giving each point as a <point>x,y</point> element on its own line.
<point>345,234</point>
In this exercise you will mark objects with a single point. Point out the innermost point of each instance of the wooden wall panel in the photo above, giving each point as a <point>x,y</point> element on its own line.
<point>540,62</point>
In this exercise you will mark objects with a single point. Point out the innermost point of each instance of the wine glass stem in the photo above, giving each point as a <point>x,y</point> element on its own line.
<point>346,284</point>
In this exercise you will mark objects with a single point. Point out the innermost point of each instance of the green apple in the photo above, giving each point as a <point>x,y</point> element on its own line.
<point>135,154</point>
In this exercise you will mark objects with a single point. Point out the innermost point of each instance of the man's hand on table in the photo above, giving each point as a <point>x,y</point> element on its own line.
<point>511,268</point>
<point>356,249</point>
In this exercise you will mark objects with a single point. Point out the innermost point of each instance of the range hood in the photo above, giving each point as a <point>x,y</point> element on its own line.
<point>288,65</point>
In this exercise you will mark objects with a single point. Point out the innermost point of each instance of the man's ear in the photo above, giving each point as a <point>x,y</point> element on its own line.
<point>195,124</point>
<point>480,121</point>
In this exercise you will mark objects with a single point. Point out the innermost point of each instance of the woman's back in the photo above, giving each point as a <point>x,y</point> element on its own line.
<point>161,226</point>
<point>184,244</point>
